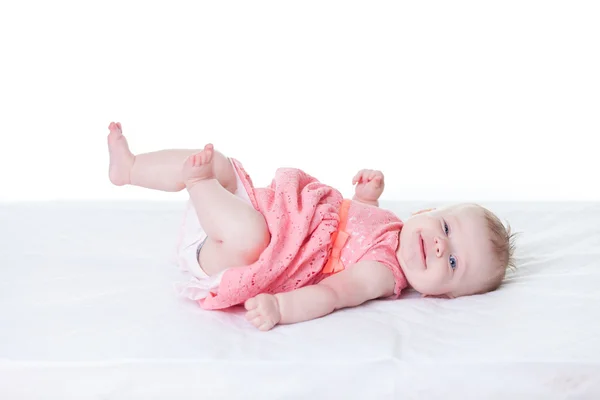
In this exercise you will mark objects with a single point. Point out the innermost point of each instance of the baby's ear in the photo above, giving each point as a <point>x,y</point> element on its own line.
<point>423,211</point>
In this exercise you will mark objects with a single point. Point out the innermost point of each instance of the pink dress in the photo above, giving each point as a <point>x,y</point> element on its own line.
<point>302,214</point>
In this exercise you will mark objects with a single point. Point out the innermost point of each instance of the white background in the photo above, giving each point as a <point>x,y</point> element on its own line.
<point>452,100</point>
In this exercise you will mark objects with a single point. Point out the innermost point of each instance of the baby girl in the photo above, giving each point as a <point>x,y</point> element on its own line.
<point>297,250</point>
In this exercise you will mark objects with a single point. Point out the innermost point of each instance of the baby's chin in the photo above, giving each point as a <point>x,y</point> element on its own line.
<point>427,290</point>
<point>432,290</point>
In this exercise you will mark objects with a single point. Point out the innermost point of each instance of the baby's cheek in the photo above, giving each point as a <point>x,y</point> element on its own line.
<point>438,275</point>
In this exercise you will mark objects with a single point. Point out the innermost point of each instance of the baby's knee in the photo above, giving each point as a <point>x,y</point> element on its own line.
<point>251,245</point>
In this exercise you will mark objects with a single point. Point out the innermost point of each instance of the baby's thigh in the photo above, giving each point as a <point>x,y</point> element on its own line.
<point>216,257</point>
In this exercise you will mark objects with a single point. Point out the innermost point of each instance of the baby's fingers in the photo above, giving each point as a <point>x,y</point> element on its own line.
<point>250,315</point>
<point>258,321</point>
<point>376,176</point>
<point>365,175</point>
<point>262,323</point>
<point>250,304</point>
<point>266,325</point>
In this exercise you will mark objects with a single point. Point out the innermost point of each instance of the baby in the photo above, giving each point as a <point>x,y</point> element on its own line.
<point>297,250</point>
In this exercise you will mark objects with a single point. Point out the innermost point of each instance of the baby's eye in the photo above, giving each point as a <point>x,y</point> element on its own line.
<point>446,227</point>
<point>452,262</point>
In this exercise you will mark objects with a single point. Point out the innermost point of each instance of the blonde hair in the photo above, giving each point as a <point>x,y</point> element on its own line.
<point>502,241</point>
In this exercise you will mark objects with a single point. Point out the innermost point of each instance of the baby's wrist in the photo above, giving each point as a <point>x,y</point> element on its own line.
<point>374,202</point>
<point>278,303</point>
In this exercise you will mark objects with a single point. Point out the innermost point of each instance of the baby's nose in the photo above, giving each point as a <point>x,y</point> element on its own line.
<point>440,246</point>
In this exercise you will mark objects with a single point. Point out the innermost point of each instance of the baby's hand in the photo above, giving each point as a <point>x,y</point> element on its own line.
<point>370,184</point>
<point>263,311</point>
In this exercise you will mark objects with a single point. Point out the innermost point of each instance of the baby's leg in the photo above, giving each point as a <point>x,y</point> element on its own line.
<point>237,233</point>
<point>159,170</point>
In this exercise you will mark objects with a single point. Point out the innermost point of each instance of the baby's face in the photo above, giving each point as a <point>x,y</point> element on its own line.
<point>446,252</point>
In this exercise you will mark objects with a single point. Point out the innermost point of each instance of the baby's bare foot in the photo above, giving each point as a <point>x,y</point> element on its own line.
<point>121,159</point>
<point>199,167</point>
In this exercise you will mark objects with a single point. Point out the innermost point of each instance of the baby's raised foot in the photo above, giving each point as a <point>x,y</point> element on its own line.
<point>199,167</point>
<point>121,158</point>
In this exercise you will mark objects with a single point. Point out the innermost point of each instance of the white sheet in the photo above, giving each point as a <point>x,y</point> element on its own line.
<point>87,311</point>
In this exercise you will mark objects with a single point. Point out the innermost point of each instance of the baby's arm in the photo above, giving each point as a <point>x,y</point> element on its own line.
<point>351,287</point>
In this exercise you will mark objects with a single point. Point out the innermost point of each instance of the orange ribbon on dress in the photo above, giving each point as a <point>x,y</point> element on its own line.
<point>339,239</point>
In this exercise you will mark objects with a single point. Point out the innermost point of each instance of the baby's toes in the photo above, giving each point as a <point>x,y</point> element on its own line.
<point>204,158</point>
<point>207,154</point>
<point>190,162</point>
<point>199,160</point>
